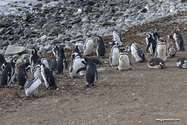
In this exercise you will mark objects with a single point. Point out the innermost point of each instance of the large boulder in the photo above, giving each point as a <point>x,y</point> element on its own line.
<point>12,49</point>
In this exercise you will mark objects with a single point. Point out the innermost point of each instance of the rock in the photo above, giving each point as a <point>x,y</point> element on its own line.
<point>87,8</point>
<point>55,41</point>
<point>55,31</point>
<point>85,19</point>
<point>27,17</point>
<point>25,56</point>
<point>12,50</point>
<point>106,23</point>
<point>2,51</point>
<point>64,22</point>
<point>79,35</point>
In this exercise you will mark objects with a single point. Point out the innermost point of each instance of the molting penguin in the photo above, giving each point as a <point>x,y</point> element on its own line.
<point>154,34</point>
<point>161,49</point>
<point>88,45</point>
<point>179,39</point>
<point>33,58</point>
<point>124,61</point>
<point>151,43</point>
<point>61,64</point>
<point>117,37</point>
<point>48,77</point>
<point>100,50</point>
<point>114,55</point>
<point>80,45</point>
<point>171,46</point>
<point>75,65</point>
<point>91,71</point>
<point>56,51</point>
<point>157,63</point>
<point>136,51</point>
<point>182,62</point>
<point>8,73</point>
<point>22,74</point>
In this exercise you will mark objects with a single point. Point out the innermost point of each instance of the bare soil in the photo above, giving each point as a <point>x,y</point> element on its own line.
<point>139,96</point>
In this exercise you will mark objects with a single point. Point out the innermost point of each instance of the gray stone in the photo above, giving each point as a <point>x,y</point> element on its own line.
<point>12,50</point>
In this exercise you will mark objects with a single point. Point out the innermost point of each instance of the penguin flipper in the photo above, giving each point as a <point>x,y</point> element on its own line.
<point>81,69</point>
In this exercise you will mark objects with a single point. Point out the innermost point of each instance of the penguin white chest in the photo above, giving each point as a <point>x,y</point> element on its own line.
<point>88,49</point>
<point>161,52</point>
<point>115,57</point>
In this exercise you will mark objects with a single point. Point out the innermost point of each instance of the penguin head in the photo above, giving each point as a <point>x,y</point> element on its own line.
<point>176,30</point>
<point>161,39</point>
<point>42,66</point>
<point>148,35</point>
<point>33,51</point>
<point>128,47</point>
<point>99,38</point>
<point>88,34</point>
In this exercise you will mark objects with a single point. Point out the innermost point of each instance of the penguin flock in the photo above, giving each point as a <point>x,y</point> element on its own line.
<point>82,62</point>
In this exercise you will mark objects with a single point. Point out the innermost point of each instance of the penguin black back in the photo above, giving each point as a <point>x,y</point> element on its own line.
<point>6,76</point>
<point>100,47</point>
<point>2,60</point>
<point>61,64</point>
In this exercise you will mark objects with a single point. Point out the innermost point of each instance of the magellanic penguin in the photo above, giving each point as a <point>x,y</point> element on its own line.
<point>75,65</point>
<point>56,51</point>
<point>80,44</point>
<point>117,37</point>
<point>44,61</point>
<point>33,57</point>
<point>91,71</point>
<point>179,39</point>
<point>161,51</point>
<point>61,64</point>
<point>48,77</point>
<point>156,63</point>
<point>182,62</point>
<point>53,64</point>
<point>76,51</point>
<point>114,55</point>
<point>124,61</point>
<point>36,71</point>
<point>2,60</point>
<point>136,51</point>
<point>171,46</point>
<point>155,35</point>
<point>22,74</point>
<point>88,45</point>
<point>96,61</point>
<point>100,50</point>
<point>151,44</point>
<point>9,70</point>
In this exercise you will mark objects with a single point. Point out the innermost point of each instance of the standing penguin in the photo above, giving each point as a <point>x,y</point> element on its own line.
<point>48,77</point>
<point>114,55</point>
<point>76,51</point>
<point>157,63</point>
<point>151,44</point>
<point>33,58</point>
<point>88,45</point>
<point>44,61</point>
<point>182,62</point>
<point>80,45</point>
<point>117,37</point>
<point>100,47</point>
<point>179,39</point>
<point>2,60</point>
<point>161,49</point>
<point>56,51</point>
<point>8,73</point>
<point>61,64</point>
<point>171,46</point>
<point>155,34</point>
<point>22,74</point>
<point>124,61</point>
<point>31,85</point>
<point>136,51</point>
<point>91,71</point>
<point>75,65</point>
<point>53,64</point>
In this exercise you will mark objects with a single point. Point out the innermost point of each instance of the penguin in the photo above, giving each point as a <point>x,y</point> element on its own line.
<point>76,51</point>
<point>33,57</point>
<point>36,71</point>
<point>2,60</point>
<point>161,49</point>
<point>136,51</point>
<point>151,44</point>
<point>114,55</point>
<point>61,63</point>
<point>22,74</point>
<point>117,37</point>
<point>179,39</point>
<point>48,77</point>
<point>100,51</point>
<point>124,61</point>
<point>56,51</point>
<point>91,71</point>
<point>171,46</point>
<point>96,61</point>
<point>182,62</point>
<point>80,45</point>
<point>31,86</point>
<point>155,35</point>
<point>44,61</point>
<point>88,45</point>
<point>8,73</point>
<point>144,10</point>
<point>128,47</point>
<point>75,65</point>
<point>156,63</point>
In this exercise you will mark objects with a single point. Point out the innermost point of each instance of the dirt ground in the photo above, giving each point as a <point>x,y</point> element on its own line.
<point>139,96</point>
